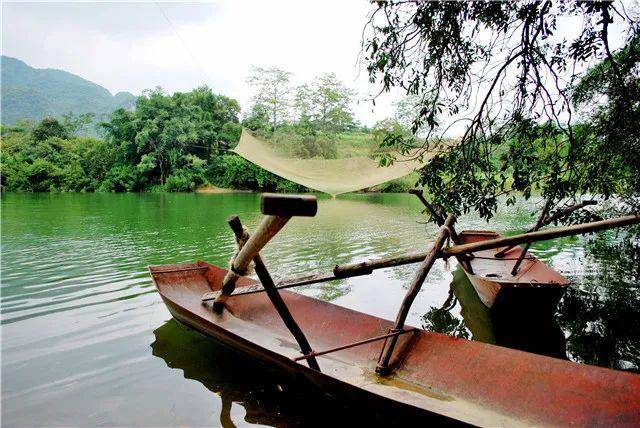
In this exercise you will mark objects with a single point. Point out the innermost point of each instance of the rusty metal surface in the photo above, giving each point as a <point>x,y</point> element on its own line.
<point>492,276</point>
<point>469,381</point>
<point>356,343</point>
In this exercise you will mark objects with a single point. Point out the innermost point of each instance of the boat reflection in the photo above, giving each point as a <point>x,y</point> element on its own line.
<point>526,329</point>
<point>269,397</point>
<point>235,378</point>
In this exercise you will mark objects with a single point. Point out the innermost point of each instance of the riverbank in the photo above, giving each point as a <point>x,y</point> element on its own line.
<point>211,189</point>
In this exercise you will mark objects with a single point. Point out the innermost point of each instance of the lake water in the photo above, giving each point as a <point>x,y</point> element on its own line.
<point>86,340</point>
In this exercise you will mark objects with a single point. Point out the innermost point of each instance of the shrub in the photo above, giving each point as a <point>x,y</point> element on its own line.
<point>122,178</point>
<point>42,176</point>
<point>183,181</point>
<point>179,182</point>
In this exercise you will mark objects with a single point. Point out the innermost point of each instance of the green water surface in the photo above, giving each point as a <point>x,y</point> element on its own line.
<point>86,340</point>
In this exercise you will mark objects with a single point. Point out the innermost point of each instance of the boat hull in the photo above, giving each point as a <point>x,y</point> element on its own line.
<point>449,378</point>
<point>535,284</point>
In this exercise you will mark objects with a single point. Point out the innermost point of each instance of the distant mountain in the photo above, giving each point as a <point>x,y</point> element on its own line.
<point>34,93</point>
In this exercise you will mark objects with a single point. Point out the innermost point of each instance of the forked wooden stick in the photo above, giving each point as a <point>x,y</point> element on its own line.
<point>278,209</point>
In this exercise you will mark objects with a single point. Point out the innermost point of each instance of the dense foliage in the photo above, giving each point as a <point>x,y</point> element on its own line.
<point>46,158</point>
<point>173,142</point>
<point>169,142</point>
<point>322,105</point>
<point>538,108</point>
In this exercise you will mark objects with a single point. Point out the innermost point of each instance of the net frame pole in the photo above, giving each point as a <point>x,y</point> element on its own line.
<point>423,271</point>
<point>463,259</point>
<point>275,297</point>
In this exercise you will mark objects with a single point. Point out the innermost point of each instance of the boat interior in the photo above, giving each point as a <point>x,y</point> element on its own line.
<point>459,379</point>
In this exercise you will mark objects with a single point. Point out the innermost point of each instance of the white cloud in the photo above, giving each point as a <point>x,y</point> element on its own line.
<point>132,47</point>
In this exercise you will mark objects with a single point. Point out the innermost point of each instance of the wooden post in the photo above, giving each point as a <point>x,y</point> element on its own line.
<point>416,284</point>
<point>274,296</point>
<point>536,226</point>
<point>279,209</point>
<point>462,259</point>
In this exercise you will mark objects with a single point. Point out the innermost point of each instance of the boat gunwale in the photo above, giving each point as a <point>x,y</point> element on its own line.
<point>513,282</point>
<point>587,375</point>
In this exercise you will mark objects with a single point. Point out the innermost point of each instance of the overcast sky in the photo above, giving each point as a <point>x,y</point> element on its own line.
<point>132,46</point>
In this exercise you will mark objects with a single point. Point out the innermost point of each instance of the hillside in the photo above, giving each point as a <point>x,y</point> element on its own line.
<point>33,93</point>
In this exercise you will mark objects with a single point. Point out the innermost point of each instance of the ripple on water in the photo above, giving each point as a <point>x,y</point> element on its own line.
<point>79,312</point>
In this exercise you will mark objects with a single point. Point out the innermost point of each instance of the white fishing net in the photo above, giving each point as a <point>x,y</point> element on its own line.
<point>333,176</point>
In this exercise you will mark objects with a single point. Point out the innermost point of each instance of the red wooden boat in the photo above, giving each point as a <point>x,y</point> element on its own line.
<point>359,356</point>
<point>467,381</point>
<point>534,284</point>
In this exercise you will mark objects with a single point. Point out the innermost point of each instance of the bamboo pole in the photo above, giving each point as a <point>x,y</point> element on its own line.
<point>414,289</point>
<point>536,226</point>
<point>349,270</point>
<point>548,220</point>
<point>274,296</point>
<point>543,235</point>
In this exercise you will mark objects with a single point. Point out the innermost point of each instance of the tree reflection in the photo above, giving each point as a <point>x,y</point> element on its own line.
<point>597,321</point>
<point>522,328</point>
<point>443,321</point>
<point>600,313</point>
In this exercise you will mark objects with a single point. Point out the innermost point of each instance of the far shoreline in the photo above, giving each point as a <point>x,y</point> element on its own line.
<point>211,189</point>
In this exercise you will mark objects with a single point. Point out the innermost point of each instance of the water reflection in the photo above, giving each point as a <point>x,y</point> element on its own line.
<point>600,313</point>
<point>474,321</point>
<point>267,396</point>
<point>525,329</point>
<point>235,378</point>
